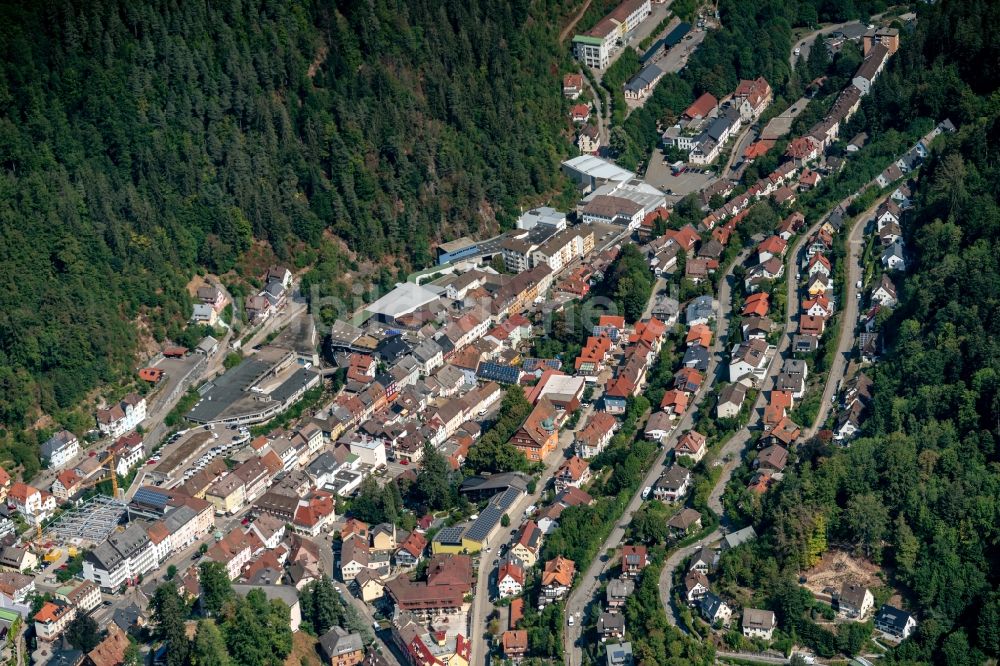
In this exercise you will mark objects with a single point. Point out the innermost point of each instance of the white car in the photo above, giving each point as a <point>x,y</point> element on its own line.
<point>646,491</point>
<point>570,621</point>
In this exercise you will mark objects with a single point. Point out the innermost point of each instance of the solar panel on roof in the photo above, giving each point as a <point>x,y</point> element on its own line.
<point>150,497</point>
<point>450,535</point>
<point>506,499</point>
<point>488,519</point>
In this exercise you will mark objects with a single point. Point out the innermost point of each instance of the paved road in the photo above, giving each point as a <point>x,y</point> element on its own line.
<point>849,317</point>
<point>807,42</point>
<point>666,576</point>
<point>602,121</point>
<point>325,547</point>
<point>657,14</point>
<point>736,156</point>
<point>584,592</point>
<point>734,447</point>
<point>482,604</point>
<point>732,171</point>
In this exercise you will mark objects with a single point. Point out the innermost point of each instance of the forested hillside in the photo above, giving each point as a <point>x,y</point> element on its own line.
<point>919,493</point>
<point>141,141</point>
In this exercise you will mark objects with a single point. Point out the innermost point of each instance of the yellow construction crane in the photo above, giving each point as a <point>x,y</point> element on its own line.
<point>112,476</point>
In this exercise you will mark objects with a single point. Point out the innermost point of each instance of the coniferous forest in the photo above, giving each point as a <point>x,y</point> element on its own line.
<point>142,141</point>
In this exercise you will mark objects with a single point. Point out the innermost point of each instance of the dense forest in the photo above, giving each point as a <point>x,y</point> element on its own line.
<point>140,142</point>
<point>919,492</point>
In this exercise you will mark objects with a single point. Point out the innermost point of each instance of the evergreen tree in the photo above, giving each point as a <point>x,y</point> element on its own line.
<point>208,647</point>
<point>82,633</point>
<point>433,487</point>
<point>169,614</point>
<point>216,588</point>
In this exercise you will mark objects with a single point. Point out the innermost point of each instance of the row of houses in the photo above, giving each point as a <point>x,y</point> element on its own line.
<point>706,125</point>
<point>141,547</point>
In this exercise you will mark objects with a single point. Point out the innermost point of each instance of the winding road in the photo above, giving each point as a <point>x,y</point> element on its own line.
<point>587,586</point>
<point>733,450</point>
<point>849,319</point>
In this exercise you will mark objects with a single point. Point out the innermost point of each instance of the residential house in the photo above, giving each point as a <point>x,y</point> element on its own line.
<point>752,97</point>
<point>617,592</point>
<point>411,549</point>
<point>658,426</point>
<point>885,293</point>
<point>60,449</point>
<point>773,246</point>
<point>528,545</point>
<point>634,560</point>
<point>704,560</point>
<point>66,485</point>
<point>854,601</point>
<point>510,579</point>
<point>673,484</point>
<point>557,578</point>
<point>734,539</point>
<point>340,647</point>
<point>369,585</point>
<point>572,85</point>
<point>692,445</point>
<point>774,458</point>
<point>697,358</point>
<point>758,623</point>
<point>574,472</point>
<point>684,521</point>
<point>123,416</point>
<point>34,505</point>
<point>695,587</point>
<point>700,310</point>
<point>895,622</point>
<point>354,556</point>
<point>819,306</point>
<point>818,263</point>
<point>731,399</point>
<point>674,403</point>
<point>514,643</point>
<point>749,359</point>
<point>611,625</point>
<point>52,619</point>
<point>870,68</point>
<point>596,435</point>
<point>714,610</point>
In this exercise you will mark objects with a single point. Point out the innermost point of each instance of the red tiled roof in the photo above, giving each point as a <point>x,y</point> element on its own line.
<point>702,106</point>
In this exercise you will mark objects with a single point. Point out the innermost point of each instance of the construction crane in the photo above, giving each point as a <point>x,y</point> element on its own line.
<point>111,476</point>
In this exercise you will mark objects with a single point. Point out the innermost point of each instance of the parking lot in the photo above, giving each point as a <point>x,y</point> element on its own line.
<point>659,175</point>
<point>175,370</point>
<point>193,450</point>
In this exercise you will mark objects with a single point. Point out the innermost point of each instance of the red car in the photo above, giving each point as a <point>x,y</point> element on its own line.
<point>404,462</point>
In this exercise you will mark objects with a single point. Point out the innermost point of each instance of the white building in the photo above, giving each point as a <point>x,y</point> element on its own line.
<point>60,449</point>
<point>369,451</point>
<point>123,557</point>
<point>749,359</point>
<point>544,215</point>
<point>594,48</point>
<point>758,623</point>
<point>123,416</point>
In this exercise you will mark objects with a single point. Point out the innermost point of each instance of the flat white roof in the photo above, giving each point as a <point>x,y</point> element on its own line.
<point>637,192</point>
<point>595,167</point>
<point>405,298</point>
<point>563,385</point>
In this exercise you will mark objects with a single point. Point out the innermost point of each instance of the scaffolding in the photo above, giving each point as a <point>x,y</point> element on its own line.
<point>91,522</point>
